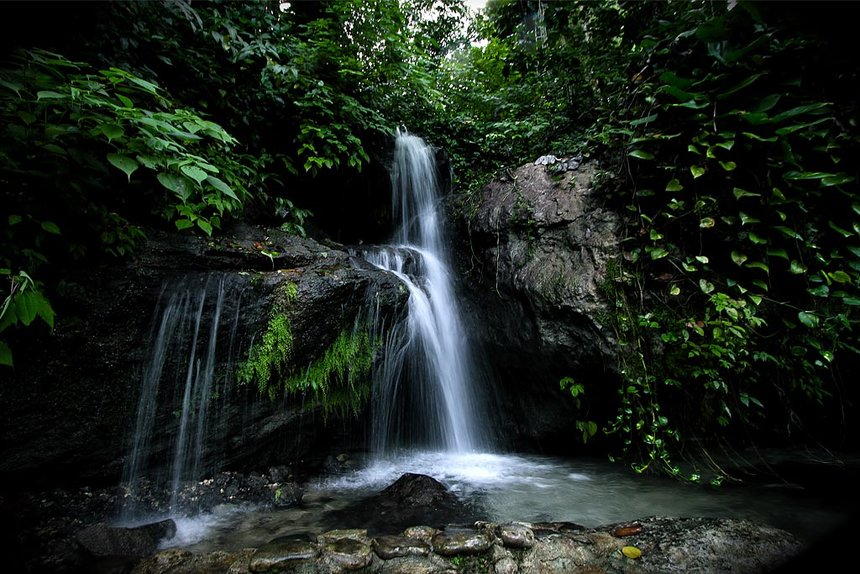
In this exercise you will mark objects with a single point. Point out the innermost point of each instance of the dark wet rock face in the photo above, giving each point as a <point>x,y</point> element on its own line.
<point>68,408</point>
<point>535,255</point>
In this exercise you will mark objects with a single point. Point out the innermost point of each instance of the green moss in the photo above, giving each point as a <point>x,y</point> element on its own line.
<point>270,356</point>
<point>337,380</point>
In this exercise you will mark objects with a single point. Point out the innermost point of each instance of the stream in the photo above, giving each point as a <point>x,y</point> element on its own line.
<point>510,487</point>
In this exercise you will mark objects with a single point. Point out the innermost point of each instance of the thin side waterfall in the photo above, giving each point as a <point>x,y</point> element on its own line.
<point>180,385</point>
<point>423,389</point>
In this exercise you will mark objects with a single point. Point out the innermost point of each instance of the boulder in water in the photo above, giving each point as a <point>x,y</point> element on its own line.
<point>411,499</point>
<point>102,540</point>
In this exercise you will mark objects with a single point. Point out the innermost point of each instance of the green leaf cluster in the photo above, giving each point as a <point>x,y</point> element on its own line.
<point>743,230</point>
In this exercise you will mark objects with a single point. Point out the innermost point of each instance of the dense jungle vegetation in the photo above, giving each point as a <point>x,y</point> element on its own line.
<point>726,133</point>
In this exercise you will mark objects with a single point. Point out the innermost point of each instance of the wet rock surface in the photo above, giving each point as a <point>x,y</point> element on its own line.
<point>701,545</point>
<point>535,254</point>
<point>412,499</point>
<point>72,536</point>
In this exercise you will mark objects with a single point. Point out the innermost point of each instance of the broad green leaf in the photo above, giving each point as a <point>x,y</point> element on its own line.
<point>15,87</point>
<point>205,226</point>
<point>758,265</point>
<point>778,252</point>
<point>817,108</point>
<point>54,148</point>
<point>25,306</point>
<point>760,284</point>
<point>112,131</point>
<point>673,79</point>
<point>760,138</point>
<point>692,104</point>
<point>739,193</point>
<point>14,220</point>
<point>747,219</point>
<point>674,185</point>
<point>697,171</point>
<point>125,101</point>
<point>805,175</point>
<point>797,267</point>
<point>221,186</point>
<point>820,291</point>
<point>807,318</point>
<point>728,165</point>
<point>184,224</point>
<point>743,84</point>
<point>147,86</point>
<point>50,227</point>
<point>194,173</point>
<point>641,154</point>
<point>124,163</point>
<point>678,93</point>
<point>767,103</point>
<point>788,232</point>
<point>839,230</point>
<point>703,259</point>
<point>5,355</point>
<point>149,162</point>
<point>706,286</point>
<point>854,250</point>
<point>49,95</point>
<point>175,183</point>
<point>657,252</point>
<point>756,119</point>
<point>27,117</point>
<point>797,127</point>
<point>738,258</point>
<point>837,179</point>
<point>675,290</point>
<point>707,222</point>
<point>645,120</point>
<point>840,277</point>
<point>755,238</point>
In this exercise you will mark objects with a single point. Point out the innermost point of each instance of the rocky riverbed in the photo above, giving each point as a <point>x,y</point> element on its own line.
<point>62,531</point>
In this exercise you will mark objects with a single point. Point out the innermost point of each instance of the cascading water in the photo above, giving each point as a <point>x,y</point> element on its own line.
<point>180,385</point>
<point>423,395</point>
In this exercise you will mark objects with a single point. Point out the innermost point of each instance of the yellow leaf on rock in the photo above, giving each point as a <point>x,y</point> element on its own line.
<point>631,552</point>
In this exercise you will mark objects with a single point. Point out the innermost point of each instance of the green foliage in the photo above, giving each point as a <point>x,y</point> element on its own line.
<point>337,380</point>
<point>24,303</point>
<point>739,287</point>
<point>71,113</point>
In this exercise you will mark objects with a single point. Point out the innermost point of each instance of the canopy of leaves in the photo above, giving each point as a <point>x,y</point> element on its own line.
<point>726,131</point>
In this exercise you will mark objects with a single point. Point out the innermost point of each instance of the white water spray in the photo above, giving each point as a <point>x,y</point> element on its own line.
<point>180,377</point>
<point>423,395</point>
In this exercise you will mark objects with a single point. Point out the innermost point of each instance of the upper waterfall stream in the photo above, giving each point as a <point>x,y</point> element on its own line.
<point>424,393</point>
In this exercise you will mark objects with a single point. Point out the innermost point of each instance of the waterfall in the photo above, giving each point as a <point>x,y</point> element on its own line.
<point>423,395</point>
<point>181,384</point>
